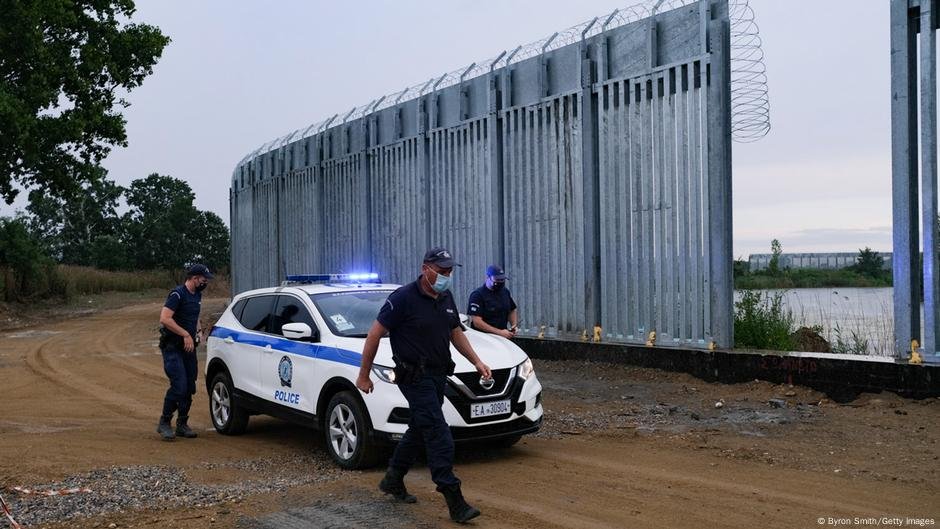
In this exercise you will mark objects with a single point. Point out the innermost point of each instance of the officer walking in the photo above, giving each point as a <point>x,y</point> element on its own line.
<point>179,320</point>
<point>422,321</point>
<point>491,307</point>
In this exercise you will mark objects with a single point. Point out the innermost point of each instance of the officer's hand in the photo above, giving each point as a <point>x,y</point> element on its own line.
<point>364,383</point>
<point>188,344</point>
<point>484,370</point>
<point>506,333</point>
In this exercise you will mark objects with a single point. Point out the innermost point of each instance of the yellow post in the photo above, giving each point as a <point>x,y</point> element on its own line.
<point>915,356</point>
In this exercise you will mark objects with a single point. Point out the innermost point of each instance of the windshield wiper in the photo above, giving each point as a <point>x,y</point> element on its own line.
<point>360,335</point>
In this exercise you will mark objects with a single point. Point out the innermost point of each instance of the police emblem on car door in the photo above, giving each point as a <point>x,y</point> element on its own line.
<point>285,370</point>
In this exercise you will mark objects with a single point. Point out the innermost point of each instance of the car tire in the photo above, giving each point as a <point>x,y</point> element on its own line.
<point>226,413</point>
<point>348,432</point>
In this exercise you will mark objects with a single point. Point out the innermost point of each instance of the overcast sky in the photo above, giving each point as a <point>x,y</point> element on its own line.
<point>241,73</point>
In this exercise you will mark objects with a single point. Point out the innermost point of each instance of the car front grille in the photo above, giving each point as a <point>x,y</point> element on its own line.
<point>471,381</point>
<point>462,402</point>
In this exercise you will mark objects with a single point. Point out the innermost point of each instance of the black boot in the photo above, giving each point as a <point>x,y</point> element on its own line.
<point>460,510</point>
<point>394,483</point>
<point>183,429</point>
<point>164,429</point>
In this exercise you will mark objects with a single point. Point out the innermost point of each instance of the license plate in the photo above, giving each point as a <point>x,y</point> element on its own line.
<point>486,409</point>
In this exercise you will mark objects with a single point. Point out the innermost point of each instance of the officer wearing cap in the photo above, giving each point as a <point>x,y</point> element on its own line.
<point>179,320</point>
<point>422,321</point>
<point>491,307</point>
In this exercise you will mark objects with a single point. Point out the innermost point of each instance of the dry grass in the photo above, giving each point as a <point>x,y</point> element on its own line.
<point>78,280</point>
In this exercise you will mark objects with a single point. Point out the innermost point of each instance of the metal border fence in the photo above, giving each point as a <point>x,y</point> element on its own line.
<point>597,169</point>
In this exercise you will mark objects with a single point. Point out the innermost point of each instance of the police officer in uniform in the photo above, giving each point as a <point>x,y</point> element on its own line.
<point>491,307</point>
<point>179,320</point>
<point>422,321</point>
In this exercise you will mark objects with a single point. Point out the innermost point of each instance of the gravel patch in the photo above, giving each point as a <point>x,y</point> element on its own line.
<point>587,397</point>
<point>119,489</point>
<point>366,513</point>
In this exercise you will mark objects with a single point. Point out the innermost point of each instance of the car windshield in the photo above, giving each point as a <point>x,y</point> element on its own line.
<point>350,313</point>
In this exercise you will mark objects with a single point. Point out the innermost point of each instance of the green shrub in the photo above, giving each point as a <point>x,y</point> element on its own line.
<point>848,342</point>
<point>761,322</point>
<point>810,278</point>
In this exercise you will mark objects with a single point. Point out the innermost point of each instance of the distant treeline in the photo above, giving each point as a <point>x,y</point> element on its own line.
<point>161,229</point>
<point>868,271</point>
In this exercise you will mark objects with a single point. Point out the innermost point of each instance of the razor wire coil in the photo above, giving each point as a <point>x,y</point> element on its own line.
<point>750,102</point>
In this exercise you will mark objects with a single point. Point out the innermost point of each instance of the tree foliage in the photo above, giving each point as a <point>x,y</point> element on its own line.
<point>159,224</point>
<point>869,263</point>
<point>70,228</point>
<point>163,228</point>
<point>776,250</point>
<point>64,66</point>
<point>22,258</point>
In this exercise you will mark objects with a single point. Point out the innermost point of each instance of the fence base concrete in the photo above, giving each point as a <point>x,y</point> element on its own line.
<point>840,377</point>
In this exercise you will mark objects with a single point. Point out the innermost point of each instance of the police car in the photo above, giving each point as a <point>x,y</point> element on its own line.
<point>294,352</point>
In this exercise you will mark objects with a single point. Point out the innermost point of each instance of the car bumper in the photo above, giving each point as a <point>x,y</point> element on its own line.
<point>483,432</point>
<point>389,413</point>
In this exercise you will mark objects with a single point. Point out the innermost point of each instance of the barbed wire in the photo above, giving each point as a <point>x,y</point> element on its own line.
<point>750,103</point>
<point>750,100</point>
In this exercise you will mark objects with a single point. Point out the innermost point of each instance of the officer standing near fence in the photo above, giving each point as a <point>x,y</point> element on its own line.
<point>179,331</point>
<point>422,321</point>
<point>491,307</point>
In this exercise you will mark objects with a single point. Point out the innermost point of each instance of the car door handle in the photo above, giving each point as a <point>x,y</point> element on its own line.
<point>228,340</point>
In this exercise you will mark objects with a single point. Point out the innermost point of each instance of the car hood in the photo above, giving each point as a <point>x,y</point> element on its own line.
<point>495,351</point>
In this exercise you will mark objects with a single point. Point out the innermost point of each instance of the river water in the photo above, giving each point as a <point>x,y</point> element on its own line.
<point>853,320</point>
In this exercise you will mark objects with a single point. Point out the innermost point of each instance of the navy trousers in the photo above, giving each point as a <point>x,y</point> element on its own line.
<point>427,431</point>
<point>181,368</point>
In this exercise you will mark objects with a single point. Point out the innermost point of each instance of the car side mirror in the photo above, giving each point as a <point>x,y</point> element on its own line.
<point>299,331</point>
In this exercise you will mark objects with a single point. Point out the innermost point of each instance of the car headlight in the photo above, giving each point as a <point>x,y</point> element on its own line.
<point>385,374</point>
<point>526,369</point>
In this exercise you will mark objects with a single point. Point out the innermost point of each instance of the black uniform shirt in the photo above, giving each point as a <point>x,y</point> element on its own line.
<point>419,327</point>
<point>185,306</point>
<point>493,306</point>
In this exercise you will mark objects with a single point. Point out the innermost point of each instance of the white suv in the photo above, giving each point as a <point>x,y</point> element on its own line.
<point>294,352</point>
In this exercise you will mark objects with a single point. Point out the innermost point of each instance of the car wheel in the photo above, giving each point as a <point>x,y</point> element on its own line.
<point>349,433</point>
<point>227,415</point>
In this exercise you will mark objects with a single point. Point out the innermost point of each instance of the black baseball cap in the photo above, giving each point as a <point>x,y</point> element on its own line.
<point>441,257</point>
<point>199,270</point>
<point>496,272</point>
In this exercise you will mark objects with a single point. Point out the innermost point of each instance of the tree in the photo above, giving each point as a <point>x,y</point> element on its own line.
<point>21,258</point>
<point>212,241</point>
<point>740,268</point>
<point>64,65</point>
<point>869,263</point>
<point>108,252</point>
<point>70,226</point>
<point>158,227</point>
<point>776,251</point>
<point>163,229</point>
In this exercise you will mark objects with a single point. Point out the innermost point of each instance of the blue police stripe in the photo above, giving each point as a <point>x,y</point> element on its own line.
<point>310,350</point>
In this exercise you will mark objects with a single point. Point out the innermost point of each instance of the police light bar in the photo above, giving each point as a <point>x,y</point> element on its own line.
<point>370,277</point>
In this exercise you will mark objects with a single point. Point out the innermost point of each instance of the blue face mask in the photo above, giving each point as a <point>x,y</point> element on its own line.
<point>441,284</point>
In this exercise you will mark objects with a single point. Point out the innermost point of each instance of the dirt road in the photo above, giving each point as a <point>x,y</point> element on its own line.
<point>622,447</point>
